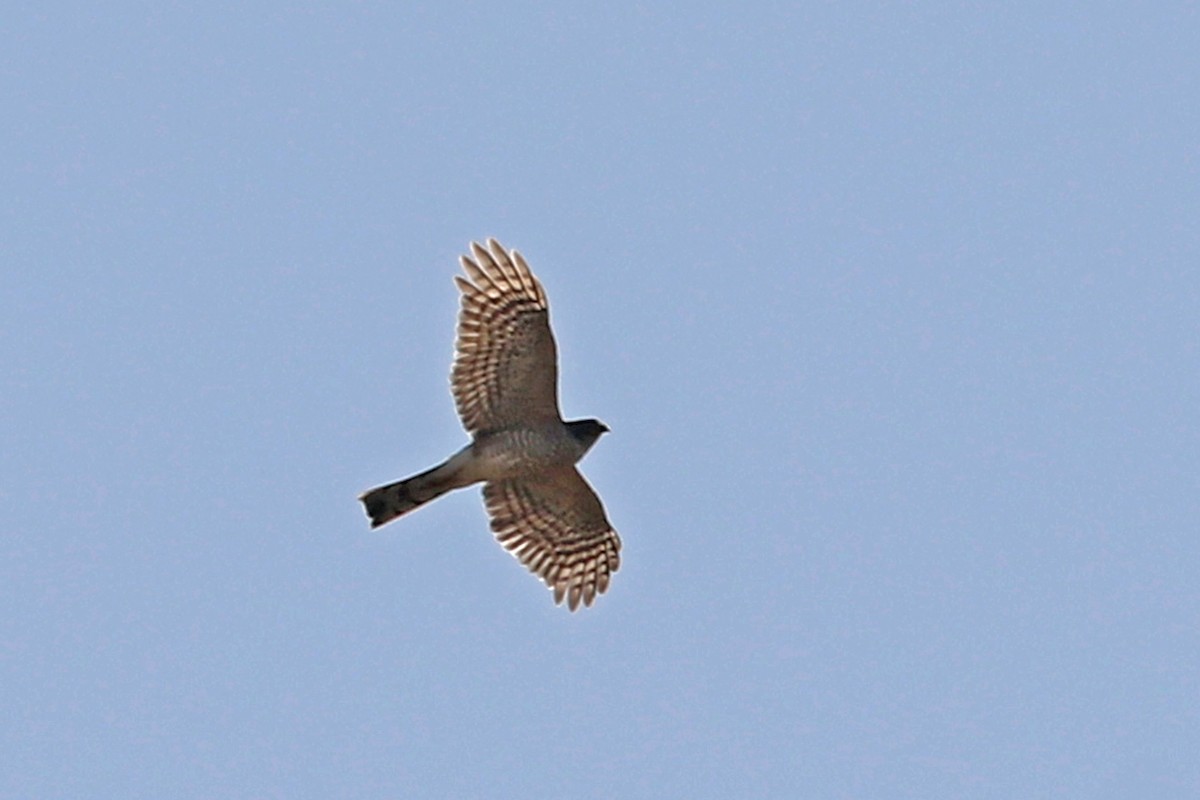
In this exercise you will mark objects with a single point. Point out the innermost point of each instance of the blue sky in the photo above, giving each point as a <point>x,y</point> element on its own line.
<point>892,310</point>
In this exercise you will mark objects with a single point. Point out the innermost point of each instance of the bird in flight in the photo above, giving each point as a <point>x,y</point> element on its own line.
<point>505,386</point>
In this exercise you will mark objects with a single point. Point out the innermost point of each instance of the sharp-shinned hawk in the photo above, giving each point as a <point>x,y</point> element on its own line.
<point>505,386</point>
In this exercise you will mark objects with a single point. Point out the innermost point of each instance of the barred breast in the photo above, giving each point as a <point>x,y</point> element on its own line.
<point>522,451</point>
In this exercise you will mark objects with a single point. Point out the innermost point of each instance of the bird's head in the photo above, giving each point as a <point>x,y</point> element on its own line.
<point>586,431</point>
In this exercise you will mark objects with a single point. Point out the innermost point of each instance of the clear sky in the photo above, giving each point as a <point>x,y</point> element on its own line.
<point>892,310</point>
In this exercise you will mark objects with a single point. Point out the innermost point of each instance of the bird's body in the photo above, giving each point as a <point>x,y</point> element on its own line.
<point>505,387</point>
<point>493,456</point>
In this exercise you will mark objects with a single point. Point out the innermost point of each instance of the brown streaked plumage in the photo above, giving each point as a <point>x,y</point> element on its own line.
<point>505,386</point>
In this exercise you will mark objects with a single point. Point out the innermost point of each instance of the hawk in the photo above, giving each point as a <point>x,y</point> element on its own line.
<point>505,386</point>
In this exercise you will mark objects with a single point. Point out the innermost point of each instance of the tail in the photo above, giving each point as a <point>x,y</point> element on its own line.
<point>385,503</point>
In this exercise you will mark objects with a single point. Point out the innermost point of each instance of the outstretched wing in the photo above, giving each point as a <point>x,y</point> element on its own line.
<point>555,525</point>
<point>505,363</point>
